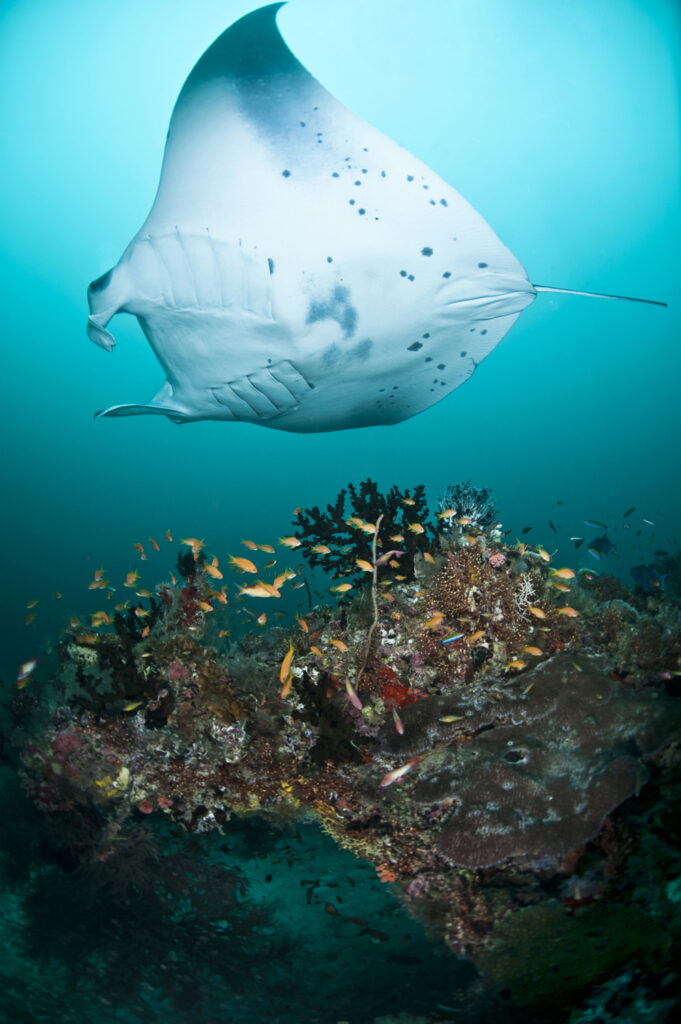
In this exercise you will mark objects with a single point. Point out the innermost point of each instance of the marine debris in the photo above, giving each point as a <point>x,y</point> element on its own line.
<point>495,734</point>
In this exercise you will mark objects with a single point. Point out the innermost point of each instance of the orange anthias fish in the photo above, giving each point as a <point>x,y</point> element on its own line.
<point>364,565</point>
<point>25,671</point>
<point>478,635</point>
<point>342,588</point>
<point>262,619</point>
<point>538,613</point>
<point>140,551</point>
<point>289,542</point>
<point>321,549</point>
<point>286,687</point>
<point>267,548</point>
<point>212,569</point>
<point>315,650</point>
<point>205,606</point>
<point>169,537</point>
<point>516,665</point>
<point>543,554</point>
<point>416,528</point>
<point>339,644</point>
<point>563,574</point>
<point>259,590</point>
<point>131,579</point>
<point>194,544</point>
<point>427,557</point>
<point>33,602</point>
<point>435,621</point>
<point>250,544</point>
<point>279,580</point>
<point>536,651</point>
<point>447,513</point>
<point>286,664</point>
<point>302,623</point>
<point>398,773</point>
<point>154,544</point>
<point>352,694</point>
<point>242,564</point>
<point>571,613</point>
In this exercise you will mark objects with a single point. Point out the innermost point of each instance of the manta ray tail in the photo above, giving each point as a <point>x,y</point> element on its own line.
<point>597,295</point>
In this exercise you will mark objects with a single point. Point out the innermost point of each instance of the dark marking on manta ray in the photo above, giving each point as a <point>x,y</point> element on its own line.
<point>410,177</point>
<point>415,346</point>
<point>443,202</point>
<point>351,202</point>
<point>403,273</point>
<point>426,251</point>
<point>101,282</point>
<point>337,308</point>
<point>357,183</point>
<point>463,354</point>
<point>270,264</point>
<point>302,124</point>
<point>383,174</point>
<point>442,366</point>
<point>428,359</point>
<point>426,335</point>
<point>286,174</point>
<point>410,277</point>
<point>329,259</point>
<point>484,331</point>
<point>447,273</point>
<point>361,212</point>
<point>482,265</point>
<point>335,174</point>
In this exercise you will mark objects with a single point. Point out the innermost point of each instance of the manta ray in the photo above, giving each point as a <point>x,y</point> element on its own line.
<point>299,269</point>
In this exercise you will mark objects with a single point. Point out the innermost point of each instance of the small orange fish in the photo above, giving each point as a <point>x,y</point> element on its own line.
<point>298,510</point>
<point>447,513</point>
<point>267,548</point>
<point>538,613</point>
<point>243,564</point>
<point>250,544</point>
<point>479,633</point>
<point>279,580</point>
<point>141,613</point>
<point>33,602</point>
<point>289,542</point>
<point>212,569</point>
<point>408,501</point>
<point>315,650</point>
<point>205,606</point>
<point>286,664</point>
<point>342,588</point>
<point>516,665</point>
<point>397,537</point>
<point>169,537</point>
<point>29,618</point>
<point>140,551</point>
<point>464,520</point>
<point>398,722</point>
<point>521,546</point>
<point>352,694</point>
<point>388,597</point>
<point>563,574</point>
<point>144,593</point>
<point>543,554</point>
<point>321,549</point>
<point>145,632</point>
<point>367,527</point>
<point>173,579</point>
<point>398,773</point>
<point>339,644</point>
<point>154,544</point>
<point>563,587</point>
<point>416,528</point>
<point>101,618</point>
<point>121,607</point>
<point>223,633</point>
<point>302,623</point>
<point>427,557</point>
<point>271,564</point>
<point>259,589</point>
<point>131,579</point>
<point>220,595</point>
<point>571,613</point>
<point>365,566</point>
<point>286,687</point>
<point>435,621</point>
<point>57,595</point>
<point>536,651</point>
<point>262,619</point>
<point>194,544</point>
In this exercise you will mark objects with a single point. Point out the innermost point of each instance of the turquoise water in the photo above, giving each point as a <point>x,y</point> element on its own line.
<point>559,124</point>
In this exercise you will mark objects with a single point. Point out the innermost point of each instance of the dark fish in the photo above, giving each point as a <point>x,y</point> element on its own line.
<point>578,541</point>
<point>601,546</point>
<point>552,527</point>
<point>648,578</point>
<point>526,529</point>
<point>559,502</point>
<point>661,553</point>
<point>629,511</point>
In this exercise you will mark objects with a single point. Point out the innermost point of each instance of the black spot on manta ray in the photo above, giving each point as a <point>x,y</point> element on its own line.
<point>357,183</point>
<point>302,124</point>
<point>286,174</point>
<point>410,277</point>
<point>428,359</point>
<point>337,307</point>
<point>482,265</point>
<point>441,366</point>
<point>351,202</point>
<point>383,174</point>
<point>447,273</point>
<point>426,335</point>
<point>443,202</point>
<point>270,264</point>
<point>410,177</point>
<point>329,259</point>
<point>415,346</point>
<point>426,251</point>
<point>403,273</point>
<point>335,174</point>
<point>101,282</point>
<point>484,331</point>
<point>361,212</point>
<point>462,354</point>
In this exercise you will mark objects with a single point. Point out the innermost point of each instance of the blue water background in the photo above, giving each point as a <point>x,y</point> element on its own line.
<point>559,122</point>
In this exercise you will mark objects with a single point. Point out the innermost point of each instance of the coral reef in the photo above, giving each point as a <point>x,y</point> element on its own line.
<point>490,743</point>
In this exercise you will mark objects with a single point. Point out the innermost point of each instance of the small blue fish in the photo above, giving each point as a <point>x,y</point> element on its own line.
<point>595,523</point>
<point>450,639</point>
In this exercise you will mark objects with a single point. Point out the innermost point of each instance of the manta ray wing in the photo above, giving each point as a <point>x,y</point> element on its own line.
<point>299,269</point>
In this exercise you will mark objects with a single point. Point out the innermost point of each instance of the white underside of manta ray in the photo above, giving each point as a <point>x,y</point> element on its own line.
<point>298,269</point>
